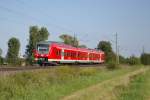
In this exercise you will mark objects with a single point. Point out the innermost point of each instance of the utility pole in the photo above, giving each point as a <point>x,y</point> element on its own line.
<point>117,49</point>
<point>74,37</point>
<point>143,50</point>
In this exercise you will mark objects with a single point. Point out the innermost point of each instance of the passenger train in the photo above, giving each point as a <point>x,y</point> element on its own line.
<point>50,52</point>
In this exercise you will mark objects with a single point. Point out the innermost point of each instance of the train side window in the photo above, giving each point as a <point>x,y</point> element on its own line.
<point>68,54</point>
<point>90,56</point>
<point>74,54</point>
<point>65,54</point>
<point>58,52</point>
<point>78,54</point>
<point>71,54</point>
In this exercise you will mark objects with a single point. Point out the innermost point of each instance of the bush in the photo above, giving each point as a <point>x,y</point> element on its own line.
<point>145,59</point>
<point>1,60</point>
<point>112,65</point>
<point>133,60</point>
<point>122,60</point>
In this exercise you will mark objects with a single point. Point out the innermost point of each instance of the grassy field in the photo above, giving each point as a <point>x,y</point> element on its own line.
<point>138,89</point>
<point>54,84</point>
<point>107,89</point>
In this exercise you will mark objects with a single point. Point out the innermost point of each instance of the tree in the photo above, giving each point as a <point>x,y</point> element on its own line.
<point>82,46</point>
<point>13,50</point>
<point>133,60</point>
<point>1,59</point>
<point>35,35</point>
<point>1,52</point>
<point>43,34</point>
<point>69,40</point>
<point>106,47</point>
<point>122,59</point>
<point>145,58</point>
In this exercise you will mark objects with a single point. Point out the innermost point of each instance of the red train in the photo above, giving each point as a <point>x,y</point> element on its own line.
<point>49,52</point>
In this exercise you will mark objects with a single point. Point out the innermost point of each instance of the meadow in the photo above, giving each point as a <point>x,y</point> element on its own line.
<point>55,83</point>
<point>137,89</point>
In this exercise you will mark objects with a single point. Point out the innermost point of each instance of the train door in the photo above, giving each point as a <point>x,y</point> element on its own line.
<point>62,54</point>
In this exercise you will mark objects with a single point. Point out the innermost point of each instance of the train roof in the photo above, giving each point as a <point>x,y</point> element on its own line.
<point>48,42</point>
<point>61,44</point>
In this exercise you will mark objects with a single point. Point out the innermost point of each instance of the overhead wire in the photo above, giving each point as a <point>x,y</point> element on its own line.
<point>18,13</point>
<point>52,19</point>
<point>47,15</point>
<point>36,19</point>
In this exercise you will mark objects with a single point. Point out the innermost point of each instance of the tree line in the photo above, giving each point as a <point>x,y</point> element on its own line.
<point>37,34</point>
<point>132,60</point>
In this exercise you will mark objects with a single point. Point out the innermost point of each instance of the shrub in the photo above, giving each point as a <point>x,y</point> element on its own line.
<point>1,60</point>
<point>133,60</point>
<point>122,60</point>
<point>145,58</point>
<point>112,65</point>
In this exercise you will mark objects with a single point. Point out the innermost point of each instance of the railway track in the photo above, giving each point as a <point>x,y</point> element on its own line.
<point>9,69</point>
<point>3,69</point>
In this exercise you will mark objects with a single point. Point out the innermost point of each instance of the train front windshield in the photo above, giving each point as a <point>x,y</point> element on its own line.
<point>43,48</point>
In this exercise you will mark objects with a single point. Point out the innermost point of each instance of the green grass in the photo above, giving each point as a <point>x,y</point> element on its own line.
<point>138,89</point>
<point>53,84</point>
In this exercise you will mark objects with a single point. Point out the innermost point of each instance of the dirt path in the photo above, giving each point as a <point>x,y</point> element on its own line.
<point>104,90</point>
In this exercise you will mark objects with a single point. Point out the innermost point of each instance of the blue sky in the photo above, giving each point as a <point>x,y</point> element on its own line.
<point>91,21</point>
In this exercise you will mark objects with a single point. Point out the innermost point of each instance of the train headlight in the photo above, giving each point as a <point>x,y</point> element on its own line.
<point>36,59</point>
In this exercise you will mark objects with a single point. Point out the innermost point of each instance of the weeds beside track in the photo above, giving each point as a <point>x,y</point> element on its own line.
<point>10,69</point>
<point>54,83</point>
